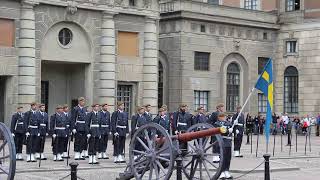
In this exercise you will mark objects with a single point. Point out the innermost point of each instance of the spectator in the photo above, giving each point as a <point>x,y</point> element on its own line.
<point>274,123</point>
<point>285,120</point>
<point>318,125</point>
<point>256,125</point>
<point>261,124</point>
<point>305,124</point>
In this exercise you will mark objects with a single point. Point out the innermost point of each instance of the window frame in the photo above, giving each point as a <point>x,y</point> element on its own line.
<point>233,84</point>
<point>251,4</point>
<point>290,5</point>
<point>200,64</point>
<point>64,35</point>
<point>127,104</point>
<point>199,95</point>
<point>291,91</point>
<point>288,53</point>
<point>262,103</point>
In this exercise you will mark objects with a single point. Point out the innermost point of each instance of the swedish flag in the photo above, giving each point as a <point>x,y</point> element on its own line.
<point>265,85</point>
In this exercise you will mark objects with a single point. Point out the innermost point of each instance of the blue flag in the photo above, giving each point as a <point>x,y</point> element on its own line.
<point>265,85</point>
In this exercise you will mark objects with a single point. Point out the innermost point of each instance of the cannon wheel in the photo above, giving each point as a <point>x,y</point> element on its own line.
<point>155,157</point>
<point>7,154</point>
<point>198,161</point>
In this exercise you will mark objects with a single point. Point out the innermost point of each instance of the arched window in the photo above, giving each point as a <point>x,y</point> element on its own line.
<point>160,85</point>
<point>291,87</point>
<point>233,87</point>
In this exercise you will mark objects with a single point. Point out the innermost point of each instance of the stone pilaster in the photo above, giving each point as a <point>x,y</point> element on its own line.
<point>150,64</point>
<point>107,89</point>
<point>27,62</point>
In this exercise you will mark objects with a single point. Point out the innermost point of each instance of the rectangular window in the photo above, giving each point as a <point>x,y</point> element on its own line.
<point>291,46</point>
<point>128,44</point>
<point>201,98</point>
<point>132,3</point>
<point>265,36</point>
<point>203,28</point>
<point>293,5</point>
<point>201,61</point>
<point>291,93</point>
<point>262,103</point>
<point>216,2</point>
<point>262,61</point>
<point>7,33</point>
<point>124,94</point>
<point>45,93</point>
<point>251,4</point>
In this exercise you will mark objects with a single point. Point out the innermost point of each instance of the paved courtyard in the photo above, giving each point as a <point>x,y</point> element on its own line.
<point>295,166</point>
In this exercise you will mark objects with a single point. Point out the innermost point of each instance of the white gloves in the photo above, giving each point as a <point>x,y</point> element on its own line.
<point>237,131</point>
<point>38,134</point>
<point>27,134</point>
<point>110,133</point>
<point>74,131</point>
<point>88,135</point>
<point>116,134</point>
<point>47,134</point>
<point>236,122</point>
<point>54,135</point>
<point>230,130</point>
<point>12,135</point>
<point>176,132</point>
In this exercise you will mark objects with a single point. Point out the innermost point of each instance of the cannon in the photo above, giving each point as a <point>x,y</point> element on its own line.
<point>190,153</point>
<point>7,154</point>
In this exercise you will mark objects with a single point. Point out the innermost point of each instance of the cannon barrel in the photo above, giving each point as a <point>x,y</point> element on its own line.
<point>189,136</point>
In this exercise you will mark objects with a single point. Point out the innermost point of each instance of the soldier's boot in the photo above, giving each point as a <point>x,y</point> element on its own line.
<point>228,175</point>
<point>33,159</point>
<point>37,155</point>
<point>85,153</point>
<point>59,157</point>
<point>90,159</point>
<point>76,155</point>
<point>43,157</point>
<point>20,157</point>
<point>104,156</point>
<point>121,159</point>
<point>222,175</point>
<point>115,159</point>
<point>28,158</point>
<point>236,153</point>
<point>216,159</point>
<point>99,155</point>
<point>94,160</point>
<point>65,155</point>
<point>55,157</point>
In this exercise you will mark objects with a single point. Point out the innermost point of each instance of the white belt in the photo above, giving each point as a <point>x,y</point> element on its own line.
<point>94,125</point>
<point>240,124</point>
<point>183,124</point>
<point>20,123</point>
<point>137,128</point>
<point>226,137</point>
<point>60,128</point>
<point>104,125</point>
<point>34,127</point>
<point>122,127</point>
<point>81,122</point>
<point>43,125</point>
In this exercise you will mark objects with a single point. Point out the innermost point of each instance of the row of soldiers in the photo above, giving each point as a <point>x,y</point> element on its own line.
<point>91,129</point>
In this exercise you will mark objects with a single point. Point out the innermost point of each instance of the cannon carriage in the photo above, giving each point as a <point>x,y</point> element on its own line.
<point>190,153</point>
<point>7,154</point>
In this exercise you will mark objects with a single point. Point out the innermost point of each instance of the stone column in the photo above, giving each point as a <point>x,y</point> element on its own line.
<point>107,89</point>
<point>27,62</point>
<point>150,64</point>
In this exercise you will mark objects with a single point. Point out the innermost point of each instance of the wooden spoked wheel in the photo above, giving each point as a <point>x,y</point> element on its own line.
<point>7,154</point>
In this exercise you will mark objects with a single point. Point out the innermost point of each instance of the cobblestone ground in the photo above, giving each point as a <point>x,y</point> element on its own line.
<point>297,165</point>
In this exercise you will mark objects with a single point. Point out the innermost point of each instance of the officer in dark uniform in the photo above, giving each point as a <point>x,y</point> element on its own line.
<point>182,120</point>
<point>78,117</point>
<point>18,130</point>
<point>105,131</point>
<point>212,120</point>
<point>66,140</point>
<point>119,129</point>
<point>249,127</point>
<point>163,120</point>
<point>94,119</point>
<point>43,131</point>
<point>138,120</point>
<point>32,123</point>
<point>227,141</point>
<point>147,113</point>
<point>201,116</point>
<point>238,131</point>
<point>58,130</point>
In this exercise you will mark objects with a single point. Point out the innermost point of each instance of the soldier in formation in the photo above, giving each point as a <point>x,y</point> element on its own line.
<point>238,131</point>
<point>18,130</point>
<point>43,127</point>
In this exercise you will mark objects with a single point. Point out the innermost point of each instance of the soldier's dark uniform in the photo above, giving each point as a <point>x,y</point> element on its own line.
<point>215,149</point>
<point>200,118</point>
<point>43,119</point>
<point>227,142</point>
<point>181,123</point>
<point>18,128</point>
<point>31,120</point>
<point>119,125</point>
<point>163,121</point>
<point>238,137</point>
<point>79,124</point>
<point>137,121</point>
<point>93,128</point>
<point>68,129</point>
<point>58,126</point>
<point>105,131</point>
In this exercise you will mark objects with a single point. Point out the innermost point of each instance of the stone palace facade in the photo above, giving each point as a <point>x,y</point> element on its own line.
<point>198,52</point>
